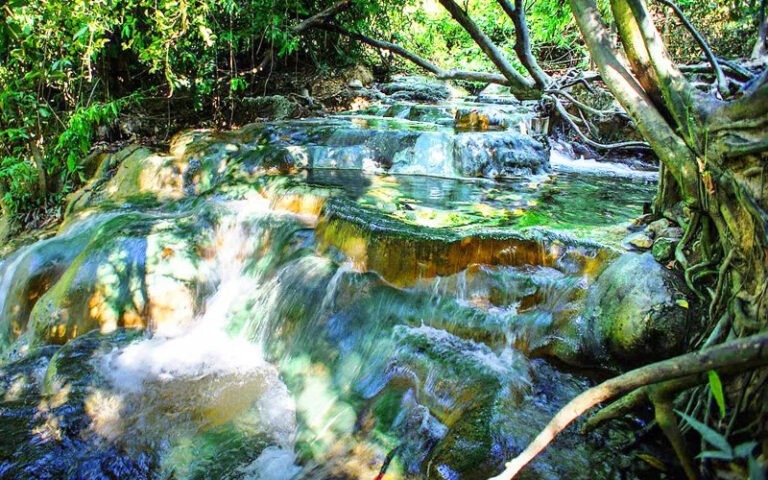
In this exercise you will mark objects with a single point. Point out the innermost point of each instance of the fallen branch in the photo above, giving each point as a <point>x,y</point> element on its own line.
<point>746,353</point>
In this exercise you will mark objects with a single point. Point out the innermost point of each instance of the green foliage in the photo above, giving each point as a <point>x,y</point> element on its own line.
<point>68,67</point>
<point>75,141</point>
<point>723,449</point>
<point>716,387</point>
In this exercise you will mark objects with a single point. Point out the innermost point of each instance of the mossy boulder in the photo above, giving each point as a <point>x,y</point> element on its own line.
<point>664,249</point>
<point>636,312</point>
<point>270,106</point>
<point>419,89</point>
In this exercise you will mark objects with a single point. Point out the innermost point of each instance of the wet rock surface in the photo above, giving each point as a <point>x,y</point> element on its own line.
<point>637,310</point>
<point>418,89</point>
<point>286,300</point>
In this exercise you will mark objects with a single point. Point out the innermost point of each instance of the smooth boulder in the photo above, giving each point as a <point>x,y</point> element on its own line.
<point>636,312</point>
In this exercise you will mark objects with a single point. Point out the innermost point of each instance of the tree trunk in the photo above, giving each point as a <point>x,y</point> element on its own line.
<point>713,155</point>
<point>761,46</point>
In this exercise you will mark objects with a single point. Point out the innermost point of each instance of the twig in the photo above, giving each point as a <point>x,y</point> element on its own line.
<point>583,79</point>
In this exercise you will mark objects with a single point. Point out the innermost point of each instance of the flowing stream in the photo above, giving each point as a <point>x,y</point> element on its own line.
<point>372,295</point>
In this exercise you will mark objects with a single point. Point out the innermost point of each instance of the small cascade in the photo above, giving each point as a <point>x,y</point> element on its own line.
<point>350,297</point>
<point>193,378</point>
<point>28,273</point>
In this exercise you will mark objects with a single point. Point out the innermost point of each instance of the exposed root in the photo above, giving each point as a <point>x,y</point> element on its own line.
<point>667,421</point>
<point>682,260</point>
<point>744,354</point>
<point>602,146</point>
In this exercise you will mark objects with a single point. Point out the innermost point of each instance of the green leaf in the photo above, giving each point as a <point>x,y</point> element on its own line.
<point>716,454</point>
<point>716,387</point>
<point>745,449</point>
<point>756,472</point>
<point>708,434</point>
<point>80,32</point>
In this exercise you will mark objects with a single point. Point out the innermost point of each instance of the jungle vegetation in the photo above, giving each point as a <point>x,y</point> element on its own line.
<point>69,69</point>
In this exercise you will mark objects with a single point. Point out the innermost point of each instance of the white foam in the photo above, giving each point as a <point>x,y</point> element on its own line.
<point>199,353</point>
<point>564,163</point>
<point>274,463</point>
<point>204,348</point>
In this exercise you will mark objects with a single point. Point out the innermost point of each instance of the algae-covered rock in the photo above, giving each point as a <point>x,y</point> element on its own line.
<point>499,154</point>
<point>419,89</point>
<point>271,106</point>
<point>133,175</point>
<point>483,117</point>
<point>133,269</point>
<point>6,228</point>
<point>637,311</point>
<point>639,240</point>
<point>404,253</point>
<point>43,415</point>
<point>655,228</point>
<point>664,248</point>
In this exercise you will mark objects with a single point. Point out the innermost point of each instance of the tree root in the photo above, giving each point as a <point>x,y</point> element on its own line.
<point>746,353</point>
<point>662,396</point>
<point>680,249</point>
<point>567,116</point>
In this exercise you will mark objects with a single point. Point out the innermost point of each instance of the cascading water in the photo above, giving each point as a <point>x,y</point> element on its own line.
<point>240,319</point>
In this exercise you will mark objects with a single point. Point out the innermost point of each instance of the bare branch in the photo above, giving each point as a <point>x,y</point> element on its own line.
<point>321,17</point>
<point>612,146</point>
<point>516,12</point>
<point>306,24</point>
<point>747,353</point>
<point>583,78</point>
<point>729,69</point>
<point>420,61</point>
<point>521,87</point>
<point>583,106</point>
<point>722,83</point>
